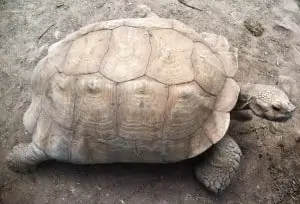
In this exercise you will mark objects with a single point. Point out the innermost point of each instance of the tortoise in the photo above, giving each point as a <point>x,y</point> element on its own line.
<point>142,90</point>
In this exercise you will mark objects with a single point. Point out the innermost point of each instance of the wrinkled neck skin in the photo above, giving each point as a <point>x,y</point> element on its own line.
<point>244,96</point>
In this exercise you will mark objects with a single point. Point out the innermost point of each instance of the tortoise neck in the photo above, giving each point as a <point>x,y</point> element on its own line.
<point>245,96</point>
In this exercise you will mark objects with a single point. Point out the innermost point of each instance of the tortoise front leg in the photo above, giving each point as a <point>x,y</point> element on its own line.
<point>220,165</point>
<point>24,157</point>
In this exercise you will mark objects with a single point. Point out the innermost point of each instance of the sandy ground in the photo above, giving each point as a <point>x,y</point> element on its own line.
<point>270,168</point>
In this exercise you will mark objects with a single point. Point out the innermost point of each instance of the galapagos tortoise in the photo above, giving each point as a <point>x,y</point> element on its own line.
<point>148,90</point>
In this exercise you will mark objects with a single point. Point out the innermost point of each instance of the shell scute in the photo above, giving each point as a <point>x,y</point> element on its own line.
<point>128,54</point>
<point>85,54</point>
<point>95,107</point>
<point>141,109</point>
<point>170,57</point>
<point>58,100</point>
<point>187,108</point>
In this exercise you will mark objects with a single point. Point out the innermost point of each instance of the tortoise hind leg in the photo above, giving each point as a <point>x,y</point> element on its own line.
<point>24,157</point>
<point>220,165</point>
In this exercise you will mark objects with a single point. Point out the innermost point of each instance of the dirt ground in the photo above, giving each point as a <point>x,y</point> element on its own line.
<point>270,167</point>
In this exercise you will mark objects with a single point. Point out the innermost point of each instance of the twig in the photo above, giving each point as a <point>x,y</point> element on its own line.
<point>193,7</point>
<point>46,31</point>
<point>59,5</point>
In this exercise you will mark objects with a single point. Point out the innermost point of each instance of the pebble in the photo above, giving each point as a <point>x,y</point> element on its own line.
<point>296,135</point>
<point>255,27</point>
<point>57,35</point>
<point>276,128</point>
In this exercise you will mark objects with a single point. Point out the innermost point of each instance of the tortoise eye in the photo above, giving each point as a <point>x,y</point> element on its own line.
<point>276,107</point>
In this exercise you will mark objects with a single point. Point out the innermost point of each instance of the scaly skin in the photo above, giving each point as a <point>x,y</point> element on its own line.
<point>24,157</point>
<point>220,165</point>
<point>265,101</point>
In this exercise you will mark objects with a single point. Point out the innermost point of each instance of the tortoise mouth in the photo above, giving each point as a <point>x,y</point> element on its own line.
<point>284,118</point>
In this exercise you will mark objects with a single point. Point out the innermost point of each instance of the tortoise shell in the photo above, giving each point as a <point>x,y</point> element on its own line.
<point>132,90</point>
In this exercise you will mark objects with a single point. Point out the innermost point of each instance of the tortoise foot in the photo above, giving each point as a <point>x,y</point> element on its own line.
<point>220,165</point>
<point>24,157</point>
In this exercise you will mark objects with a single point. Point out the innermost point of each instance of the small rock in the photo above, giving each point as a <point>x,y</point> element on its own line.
<point>281,27</point>
<point>59,4</point>
<point>275,128</point>
<point>73,190</point>
<point>254,27</point>
<point>57,35</point>
<point>277,62</point>
<point>141,11</point>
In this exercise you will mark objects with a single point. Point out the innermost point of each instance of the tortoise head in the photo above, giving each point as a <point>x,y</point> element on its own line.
<point>268,102</point>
